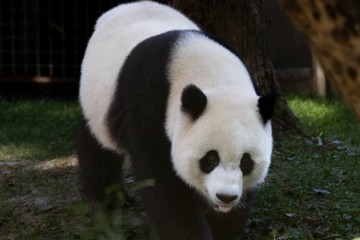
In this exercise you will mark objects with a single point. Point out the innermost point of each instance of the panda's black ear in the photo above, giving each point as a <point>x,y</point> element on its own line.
<point>193,101</point>
<point>266,105</point>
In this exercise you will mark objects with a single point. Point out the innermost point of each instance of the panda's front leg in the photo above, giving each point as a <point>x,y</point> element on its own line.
<point>235,221</point>
<point>171,207</point>
<point>174,212</point>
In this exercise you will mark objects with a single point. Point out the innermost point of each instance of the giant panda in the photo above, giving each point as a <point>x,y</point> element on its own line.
<point>183,108</point>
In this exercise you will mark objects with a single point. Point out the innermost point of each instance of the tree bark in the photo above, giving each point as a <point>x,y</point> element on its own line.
<point>239,23</point>
<point>332,29</point>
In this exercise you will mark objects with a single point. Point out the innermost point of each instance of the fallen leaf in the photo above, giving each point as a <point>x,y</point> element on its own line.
<point>321,191</point>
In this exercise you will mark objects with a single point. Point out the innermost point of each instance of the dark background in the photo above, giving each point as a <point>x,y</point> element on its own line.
<point>42,43</point>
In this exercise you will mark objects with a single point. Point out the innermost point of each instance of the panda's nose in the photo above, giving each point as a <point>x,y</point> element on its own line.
<point>226,198</point>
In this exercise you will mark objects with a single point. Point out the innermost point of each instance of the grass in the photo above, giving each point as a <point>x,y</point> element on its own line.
<point>39,129</point>
<point>312,191</point>
<point>327,118</point>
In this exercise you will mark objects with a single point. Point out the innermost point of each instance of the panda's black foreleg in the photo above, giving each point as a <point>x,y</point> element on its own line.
<point>100,170</point>
<point>173,214</point>
<point>172,208</point>
<point>230,225</point>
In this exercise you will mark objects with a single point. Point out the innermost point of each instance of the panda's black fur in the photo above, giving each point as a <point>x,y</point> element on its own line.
<point>136,122</point>
<point>142,133</point>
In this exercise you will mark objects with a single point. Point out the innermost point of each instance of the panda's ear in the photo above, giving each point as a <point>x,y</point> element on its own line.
<point>266,105</point>
<point>193,101</point>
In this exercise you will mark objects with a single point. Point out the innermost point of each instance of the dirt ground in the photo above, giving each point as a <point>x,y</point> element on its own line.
<point>35,196</point>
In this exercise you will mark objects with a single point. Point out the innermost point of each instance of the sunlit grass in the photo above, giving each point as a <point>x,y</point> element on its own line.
<point>36,129</point>
<point>327,118</point>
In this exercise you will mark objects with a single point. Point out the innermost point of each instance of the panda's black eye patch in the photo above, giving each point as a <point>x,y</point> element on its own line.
<point>246,164</point>
<point>210,161</point>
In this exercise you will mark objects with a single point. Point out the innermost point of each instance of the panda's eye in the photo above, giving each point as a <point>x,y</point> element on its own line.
<point>210,161</point>
<point>246,164</point>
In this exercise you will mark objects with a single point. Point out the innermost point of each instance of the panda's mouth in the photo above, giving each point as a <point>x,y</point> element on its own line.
<point>223,208</point>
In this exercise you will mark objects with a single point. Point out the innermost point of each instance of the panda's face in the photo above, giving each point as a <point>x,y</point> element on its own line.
<point>221,146</point>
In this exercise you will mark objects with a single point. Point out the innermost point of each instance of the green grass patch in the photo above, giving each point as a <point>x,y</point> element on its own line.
<point>312,190</point>
<point>327,118</point>
<point>37,129</point>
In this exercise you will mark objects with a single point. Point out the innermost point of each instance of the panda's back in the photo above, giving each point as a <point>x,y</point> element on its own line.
<point>116,33</point>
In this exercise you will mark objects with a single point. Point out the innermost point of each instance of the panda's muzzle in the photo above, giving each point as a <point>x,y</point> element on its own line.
<point>226,202</point>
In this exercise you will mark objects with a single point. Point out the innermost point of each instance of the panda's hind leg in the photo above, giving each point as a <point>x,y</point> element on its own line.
<point>100,170</point>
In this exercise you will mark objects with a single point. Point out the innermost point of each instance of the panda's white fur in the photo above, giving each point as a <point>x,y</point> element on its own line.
<point>230,94</point>
<point>116,33</point>
<point>230,123</point>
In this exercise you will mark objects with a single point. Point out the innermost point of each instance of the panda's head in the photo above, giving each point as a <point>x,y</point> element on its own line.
<point>222,143</point>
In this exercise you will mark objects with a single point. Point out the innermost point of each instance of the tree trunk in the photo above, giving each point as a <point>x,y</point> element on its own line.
<point>332,29</point>
<point>239,23</point>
